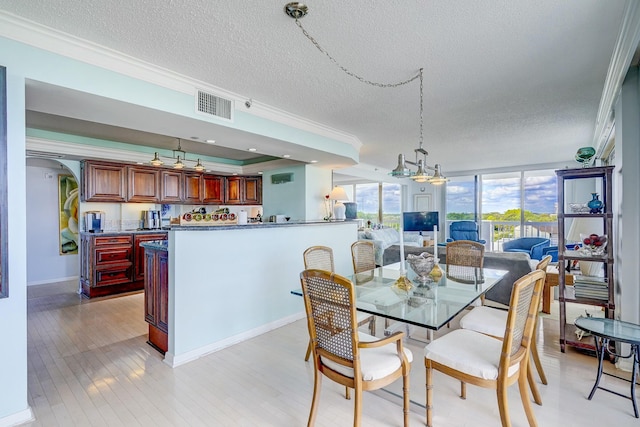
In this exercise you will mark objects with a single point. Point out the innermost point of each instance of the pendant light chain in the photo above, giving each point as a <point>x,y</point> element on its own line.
<point>362,79</point>
<point>421,108</point>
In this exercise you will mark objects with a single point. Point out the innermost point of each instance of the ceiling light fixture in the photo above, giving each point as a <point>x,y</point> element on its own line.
<point>180,157</point>
<point>296,11</point>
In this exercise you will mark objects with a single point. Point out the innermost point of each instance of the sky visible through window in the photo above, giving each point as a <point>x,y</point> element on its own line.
<point>367,198</point>
<point>501,194</point>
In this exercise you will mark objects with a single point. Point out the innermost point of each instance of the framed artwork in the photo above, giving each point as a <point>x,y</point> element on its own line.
<point>4,202</point>
<point>422,202</point>
<point>68,214</point>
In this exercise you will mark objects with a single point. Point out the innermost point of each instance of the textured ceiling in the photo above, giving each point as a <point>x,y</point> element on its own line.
<point>505,82</point>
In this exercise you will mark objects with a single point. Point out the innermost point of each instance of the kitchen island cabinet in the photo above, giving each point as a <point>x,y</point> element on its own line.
<point>108,262</point>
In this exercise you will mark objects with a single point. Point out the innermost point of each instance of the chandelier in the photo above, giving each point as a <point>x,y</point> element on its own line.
<point>296,11</point>
<point>180,156</point>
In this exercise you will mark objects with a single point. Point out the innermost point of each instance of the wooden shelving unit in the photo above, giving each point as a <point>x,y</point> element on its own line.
<point>603,299</point>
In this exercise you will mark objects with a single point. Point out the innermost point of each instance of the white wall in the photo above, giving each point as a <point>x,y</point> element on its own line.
<point>14,407</point>
<point>45,264</point>
<point>229,285</point>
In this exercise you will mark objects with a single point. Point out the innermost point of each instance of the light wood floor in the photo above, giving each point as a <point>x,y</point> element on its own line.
<point>89,365</point>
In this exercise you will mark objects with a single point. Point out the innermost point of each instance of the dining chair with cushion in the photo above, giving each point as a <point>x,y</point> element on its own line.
<point>343,354</point>
<point>321,258</point>
<point>492,321</point>
<point>475,358</point>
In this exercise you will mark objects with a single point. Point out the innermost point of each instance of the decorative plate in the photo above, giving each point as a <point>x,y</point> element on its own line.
<point>207,217</point>
<point>187,217</point>
<point>197,217</point>
<point>224,217</point>
<point>232,216</point>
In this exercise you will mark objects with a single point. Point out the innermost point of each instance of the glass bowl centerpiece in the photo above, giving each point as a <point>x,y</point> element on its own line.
<point>593,244</point>
<point>422,265</point>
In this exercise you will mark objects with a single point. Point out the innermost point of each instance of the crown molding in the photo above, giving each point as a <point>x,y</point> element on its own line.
<point>623,52</point>
<point>33,34</point>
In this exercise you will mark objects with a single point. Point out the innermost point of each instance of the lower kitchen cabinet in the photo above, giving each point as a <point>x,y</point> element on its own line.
<point>112,263</point>
<point>156,297</point>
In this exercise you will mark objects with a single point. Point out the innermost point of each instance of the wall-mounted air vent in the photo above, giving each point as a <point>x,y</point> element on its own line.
<point>44,155</point>
<point>214,105</point>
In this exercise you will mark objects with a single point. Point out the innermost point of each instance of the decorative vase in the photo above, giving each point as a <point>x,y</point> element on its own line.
<point>595,204</point>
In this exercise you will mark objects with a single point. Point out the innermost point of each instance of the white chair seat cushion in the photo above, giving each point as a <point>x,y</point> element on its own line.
<point>375,363</point>
<point>470,352</point>
<point>486,320</point>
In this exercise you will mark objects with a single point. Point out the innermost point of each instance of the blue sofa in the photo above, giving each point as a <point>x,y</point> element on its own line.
<point>534,246</point>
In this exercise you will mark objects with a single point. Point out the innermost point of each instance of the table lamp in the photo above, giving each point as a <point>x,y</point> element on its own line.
<point>338,195</point>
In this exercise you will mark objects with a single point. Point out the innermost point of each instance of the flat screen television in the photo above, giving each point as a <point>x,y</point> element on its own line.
<point>419,221</point>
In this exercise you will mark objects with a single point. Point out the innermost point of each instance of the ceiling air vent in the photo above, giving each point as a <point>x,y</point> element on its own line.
<point>214,105</point>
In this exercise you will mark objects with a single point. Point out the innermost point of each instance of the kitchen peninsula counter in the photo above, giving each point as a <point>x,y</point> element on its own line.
<point>227,284</point>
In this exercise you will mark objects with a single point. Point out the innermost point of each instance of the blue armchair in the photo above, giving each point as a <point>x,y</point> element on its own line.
<point>464,230</point>
<point>534,246</point>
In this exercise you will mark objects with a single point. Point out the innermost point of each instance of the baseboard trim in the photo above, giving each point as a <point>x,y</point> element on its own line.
<point>177,360</point>
<point>48,281</point>
<point>18,418</point>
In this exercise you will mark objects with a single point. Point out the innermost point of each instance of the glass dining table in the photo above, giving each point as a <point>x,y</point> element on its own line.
<point>431,304</point>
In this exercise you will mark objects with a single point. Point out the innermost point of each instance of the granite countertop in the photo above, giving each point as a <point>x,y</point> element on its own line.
<point>161,245</point>
<point>116,232</point>
<point>257,225</point>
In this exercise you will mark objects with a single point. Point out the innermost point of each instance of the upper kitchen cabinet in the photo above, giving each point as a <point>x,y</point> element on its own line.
<point>103,182</point>
<point>143,184</point>
<point>192,187</point>
<point>253,190</point>
<point>213,189</point>
<point>243,190</point>
<point>171,186</point>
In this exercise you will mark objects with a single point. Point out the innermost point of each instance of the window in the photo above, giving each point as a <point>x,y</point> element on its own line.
<point>379,203</point>
<point>514,204</point>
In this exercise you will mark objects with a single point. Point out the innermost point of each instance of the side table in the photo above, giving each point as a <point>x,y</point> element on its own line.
<point>550,281</point>
<point>604,330</point>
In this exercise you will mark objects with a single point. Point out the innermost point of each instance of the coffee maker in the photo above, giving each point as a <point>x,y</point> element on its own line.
<point>94,221</point>
<point>151,220</point>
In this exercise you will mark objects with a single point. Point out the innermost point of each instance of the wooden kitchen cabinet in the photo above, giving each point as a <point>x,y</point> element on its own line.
<point>106,264</point>
<point>112,263</point>
<point>234,191</point>
<point>192,187</point>
<point>171,186</point>
<point>252,190</point>
<point>103,182</point>
<point>243,190</point>
<point>156,297</point>
<point>138,251</point>
<point>143,184</point>
<point>213,187</point>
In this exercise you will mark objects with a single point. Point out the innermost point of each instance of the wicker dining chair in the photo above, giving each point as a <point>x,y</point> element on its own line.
<point>500,363</point>
<point>342,353</point>
<point>492,321</point>
<point>466,253</point>
<point>363,256</point>
<point>321,258</point>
